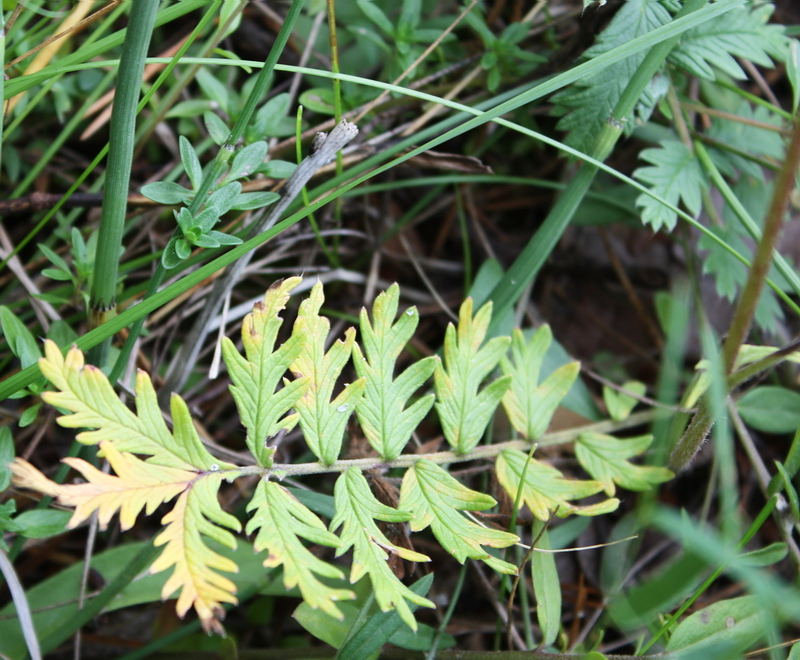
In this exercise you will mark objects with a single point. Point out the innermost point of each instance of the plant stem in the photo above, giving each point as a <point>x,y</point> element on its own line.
<point>102,302</point>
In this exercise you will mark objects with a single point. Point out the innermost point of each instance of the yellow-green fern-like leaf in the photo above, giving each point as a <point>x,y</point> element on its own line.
<point>356,512</point>
<point>281,520</point>
<point>256,376</point>
<point>436,499</point>
<point>323,420</point>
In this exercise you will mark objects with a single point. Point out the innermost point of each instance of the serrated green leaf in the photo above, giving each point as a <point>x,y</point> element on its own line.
<point>606,459</point>
<point>191,163</point>
<point>256,376</point>
<point>770,409</point>
<point>529,405</point>
<point>546,586</point>
<point>20,340</point>
<point>386,422</point>
<point>247,161</point>
<point>620,404</point>
<point>356,512</point>
<point>323,420</point>
<point>464,410</point>
<point>676,176</point>
<point>586,105</point>
<point>741,32</point>
<point>93,404</point>
<point>545,490</point>
<point>737,622</point>
<point>166,192</point>
<point>436,499</point>
<point>281,521</point>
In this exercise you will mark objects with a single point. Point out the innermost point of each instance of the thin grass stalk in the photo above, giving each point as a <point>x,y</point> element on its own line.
<point>224,155</point>
<point>102,300</point>
<point>525,268</point>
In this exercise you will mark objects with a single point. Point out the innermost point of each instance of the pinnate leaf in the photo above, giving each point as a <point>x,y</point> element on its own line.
<point>281,520</point>
<point>545,490</point>
<point>606,459</point>
<point>386,422</point>
<point>256,376</point>
<point>530,405</point>
<point>323,420</point>
<point>356,512</point>
<point>675,174</point>
<point>92,402</point>
<point>436,500</point>
<point>464,410</point>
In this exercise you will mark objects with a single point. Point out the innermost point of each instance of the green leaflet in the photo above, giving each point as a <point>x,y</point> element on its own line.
<point>86,392</point>
<point>435,498</point>
<point>587,104</point>
<point>529,405</point>
<point>545,490</point>
<point>675,174</point>
<point>463,409</point>
<point>356,512</point>
<point>322,420</point>
<point>606,459</point>
<point>281,520</point>
<point>619,404</point>
<point>386,422</point>
<point>742,32</point>
<point>546,586</point>
<point>255,378</point>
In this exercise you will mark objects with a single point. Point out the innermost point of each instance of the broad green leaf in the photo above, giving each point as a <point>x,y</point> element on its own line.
<point>742,32</point>
<point>546,586</point>
<point>93,404</point>
<point>674,174</point>
<point>6,456</point>
<point>263,411</point>
<point>216,128</point>
<point>620,404</point>
<point>222,199</point>
<point>464,410</point>
<point>323,420</point>
<point>268,118</point>
<point>436,500</point>
<point>20,340</point>
<point>606,459</point>
<point>529,405</point>
<point>278,169</point>
<point>247,161</point>
<point>382,413</point>
<point>737,622</point>
<point>191,163</point>
<point>166,192</point>
<point>281,521</point>
<point>545,490</point>
<point>770,409</point>
<point>254,200</point>
<point>356,513</point>
<point>40,523</point>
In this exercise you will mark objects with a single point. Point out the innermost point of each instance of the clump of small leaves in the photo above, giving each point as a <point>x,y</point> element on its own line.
<point>278,388</point>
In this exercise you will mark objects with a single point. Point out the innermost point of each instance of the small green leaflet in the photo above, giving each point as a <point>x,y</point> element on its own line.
<point>386,422</point>
<point>436,499</point>
<point>464,411</point>
<point>323,421</point>
<point>741,32</point>
<point>606,459</point>
<point>281,520</point>
<point>546,586</point>
<point>529,405</point>
<point>255,378</point>
<point>676,176</point>
<point>619,404</point>
<point>545,490</point>
<point>356,512</point>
